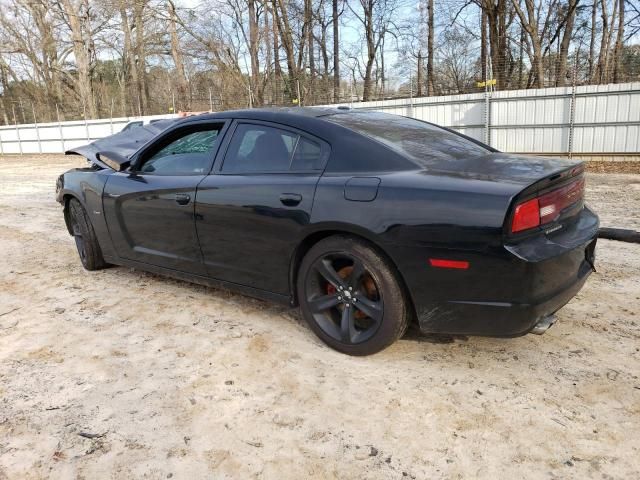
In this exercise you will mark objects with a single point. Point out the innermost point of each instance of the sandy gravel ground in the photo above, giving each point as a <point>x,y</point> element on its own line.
<point>172,380</point>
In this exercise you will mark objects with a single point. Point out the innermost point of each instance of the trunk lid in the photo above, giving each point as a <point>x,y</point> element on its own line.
<point>521,170</point>
<point>547,194</point>
<point>549,204</point>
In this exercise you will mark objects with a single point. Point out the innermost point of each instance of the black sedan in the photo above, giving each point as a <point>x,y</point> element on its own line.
<point>367,221</point>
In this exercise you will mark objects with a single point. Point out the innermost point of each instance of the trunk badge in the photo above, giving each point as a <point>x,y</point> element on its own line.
<point>553,229</point>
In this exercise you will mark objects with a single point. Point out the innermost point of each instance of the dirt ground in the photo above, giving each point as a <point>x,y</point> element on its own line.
<point>172,380</point>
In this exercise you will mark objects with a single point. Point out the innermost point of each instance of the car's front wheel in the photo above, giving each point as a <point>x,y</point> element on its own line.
<point>351,297</point>
<point>85,237</point>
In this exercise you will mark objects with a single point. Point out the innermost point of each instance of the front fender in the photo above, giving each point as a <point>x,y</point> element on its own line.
<point>86,185</point>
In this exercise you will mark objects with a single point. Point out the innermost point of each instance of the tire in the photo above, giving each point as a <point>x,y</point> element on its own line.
<point>85,237</point>
<point>351,296</point>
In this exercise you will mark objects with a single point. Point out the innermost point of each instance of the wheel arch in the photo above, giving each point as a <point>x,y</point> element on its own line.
<point>317,235</point>
<point>66,198</point>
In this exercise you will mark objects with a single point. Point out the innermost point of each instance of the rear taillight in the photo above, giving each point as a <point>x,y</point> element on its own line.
<point>552,203</point>
<point>546,208</point>
<point>527,215</point>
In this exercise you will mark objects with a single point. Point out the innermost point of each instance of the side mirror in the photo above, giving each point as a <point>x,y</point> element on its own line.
<point>114,160</point>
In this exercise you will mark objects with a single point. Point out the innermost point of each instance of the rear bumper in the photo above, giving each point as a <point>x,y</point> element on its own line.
<point>505,291</point>
<point>502,319</point>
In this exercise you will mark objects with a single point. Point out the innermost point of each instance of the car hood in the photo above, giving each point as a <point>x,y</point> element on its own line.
<point>521,170</point>
<point>123,143</point>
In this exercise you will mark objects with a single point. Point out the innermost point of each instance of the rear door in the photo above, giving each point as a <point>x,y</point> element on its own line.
<point>150,210</point>
<point>251,212</point>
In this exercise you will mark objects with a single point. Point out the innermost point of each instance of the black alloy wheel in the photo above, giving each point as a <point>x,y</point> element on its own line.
<point>351,297</point>
<point>344,299</point>
<point>84,236</point>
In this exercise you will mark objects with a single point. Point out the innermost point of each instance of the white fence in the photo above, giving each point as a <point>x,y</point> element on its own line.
<point>599,120</point>
<point>58,137</point>
<point>605,118</point>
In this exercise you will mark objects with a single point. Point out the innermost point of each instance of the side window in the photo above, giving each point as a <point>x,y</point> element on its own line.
<point>259,148</point>
<point>308,156</point>
<point>189,154</point>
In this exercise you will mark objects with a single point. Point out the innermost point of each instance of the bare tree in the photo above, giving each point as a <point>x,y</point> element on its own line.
<point>617,52</point>
<point>531,22</point>
<point>592,41</point>
<point>375,16</point>
<point>76,14</point>
<point>176,54</point>
<point>336,51</point>
<point>79,57</point>
<point>565,29</point>
<point>430,26</point>
<point>499,19</point>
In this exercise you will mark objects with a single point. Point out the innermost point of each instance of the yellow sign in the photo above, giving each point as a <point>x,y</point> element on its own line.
<point>487,83</point>
<point>295,100</point>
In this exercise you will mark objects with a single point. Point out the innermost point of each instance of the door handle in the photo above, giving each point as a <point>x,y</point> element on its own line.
<point>182,198</point>
<point>290,199</point>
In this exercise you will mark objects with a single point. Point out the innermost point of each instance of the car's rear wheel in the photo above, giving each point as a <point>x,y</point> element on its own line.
<point>351,297</point>
<point>85,237</point>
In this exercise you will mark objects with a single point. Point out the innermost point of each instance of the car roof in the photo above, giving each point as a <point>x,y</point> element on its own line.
<point>290,115</point>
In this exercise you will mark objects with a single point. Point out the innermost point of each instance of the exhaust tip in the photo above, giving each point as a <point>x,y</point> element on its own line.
<point>543,325</point>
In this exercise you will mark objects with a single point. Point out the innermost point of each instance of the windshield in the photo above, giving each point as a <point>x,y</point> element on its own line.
<point>423,142</point>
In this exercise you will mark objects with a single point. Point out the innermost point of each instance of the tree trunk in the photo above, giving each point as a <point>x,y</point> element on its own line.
<point>82,58</point>
<point>530,23</point>
<point>561,66</point>
<point>521,57</point>
<point>141,60</point>
<point>483,46</point>
<point>4,83</point>
<point>129,62</point>
<point>617,52</point>
<point>328,90</point>
<point>277,69</point>
<point>383,79</point>
<point>430,81</point>
<point>268,64</point>
<point>604,51</point>
<point>256,89</point>
<point>497,23</point>
<point>49,70</point>
<point>371,50</point>
<point>612,21</point>
<point>336,53</point>
<point>419,74</point>
<point>592,42</point>
<point>282,18</point>
<point>176,54</point>
<point>312,63</point>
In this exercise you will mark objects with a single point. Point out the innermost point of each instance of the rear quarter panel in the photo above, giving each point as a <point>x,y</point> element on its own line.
<point>416,216</point>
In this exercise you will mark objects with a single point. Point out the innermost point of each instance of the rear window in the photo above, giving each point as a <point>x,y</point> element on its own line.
<point>421,141</point>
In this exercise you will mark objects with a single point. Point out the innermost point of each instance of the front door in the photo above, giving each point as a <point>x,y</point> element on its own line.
<point>150,210</point>
<point>250,214</point>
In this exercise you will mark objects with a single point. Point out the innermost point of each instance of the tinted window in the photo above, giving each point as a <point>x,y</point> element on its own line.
<point>190,154</point>
<point>258,148</point>
<point>308,156</point>
<point>421,141</point>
